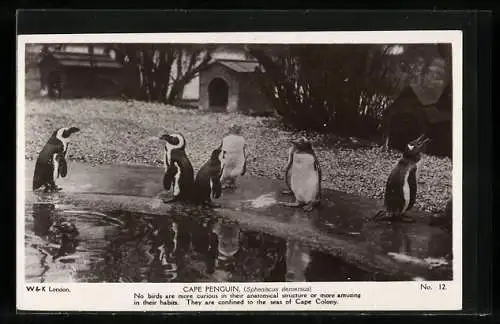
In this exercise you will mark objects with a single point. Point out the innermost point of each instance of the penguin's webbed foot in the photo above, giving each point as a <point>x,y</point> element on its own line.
<point>384,216</point>
<point>308,207</point>
<point>293,204</point>
<point>51,188</point>
<point>380,215</point>
<point>211,204</point>
<point>171,200</point>
<point>405,219</point>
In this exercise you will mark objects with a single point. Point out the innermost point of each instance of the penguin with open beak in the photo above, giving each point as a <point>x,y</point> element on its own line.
<point>401,186</point>
<point>51,162</point>
<point>303,175</point>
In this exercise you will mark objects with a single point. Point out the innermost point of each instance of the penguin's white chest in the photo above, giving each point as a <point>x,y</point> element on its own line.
<point>406,191</point>
<point>55,164</point>
<point>304,178</point>
<point>177,177</point>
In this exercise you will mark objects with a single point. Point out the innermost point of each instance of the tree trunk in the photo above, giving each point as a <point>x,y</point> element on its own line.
<point>181,81</point>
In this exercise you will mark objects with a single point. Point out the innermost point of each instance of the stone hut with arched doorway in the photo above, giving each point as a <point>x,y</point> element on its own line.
<point>233,86</point>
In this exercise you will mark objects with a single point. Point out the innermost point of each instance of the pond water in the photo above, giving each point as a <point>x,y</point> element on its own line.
<point>64,244</point>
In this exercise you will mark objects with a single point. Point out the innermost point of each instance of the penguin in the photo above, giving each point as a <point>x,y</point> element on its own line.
<point>51,162</point>
<point>235,158</point>
<point>304,176</point>
<point>401,186</point>
<point>179,174</point>
<point>207,182</point>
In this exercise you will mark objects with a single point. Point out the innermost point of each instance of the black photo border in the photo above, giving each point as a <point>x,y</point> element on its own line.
<point>477,36</point>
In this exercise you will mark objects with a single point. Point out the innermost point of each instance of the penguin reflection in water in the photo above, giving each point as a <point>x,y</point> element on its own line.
<point>303,175</point>
<point>51,162</point>
<point>179,174</point>
<point>207,183</point>
<point>401,186</point>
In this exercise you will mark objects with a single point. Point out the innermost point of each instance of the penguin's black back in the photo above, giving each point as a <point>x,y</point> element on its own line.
<point>211,169</point>
<point>44,165</point>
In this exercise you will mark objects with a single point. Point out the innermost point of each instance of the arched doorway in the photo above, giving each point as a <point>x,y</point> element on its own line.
<point>218,94</point>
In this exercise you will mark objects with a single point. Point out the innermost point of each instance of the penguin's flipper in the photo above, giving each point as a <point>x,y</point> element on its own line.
<point>244,160</point>
<point>168,177</point>
<point>63,165</point>
<point>216,187</point>
<point>317,167</point>
<point>244,168</point>
<point>287,169</point>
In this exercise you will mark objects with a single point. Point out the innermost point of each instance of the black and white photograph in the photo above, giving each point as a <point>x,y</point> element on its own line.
<point>320,164</point>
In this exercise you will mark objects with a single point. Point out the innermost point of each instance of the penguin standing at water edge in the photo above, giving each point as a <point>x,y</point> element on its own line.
<point>401,186</point>
<point>304,174</point>
<point>207,182</point>
<point>51,162</point>
<point>235,157</point>
<point>179,174</point>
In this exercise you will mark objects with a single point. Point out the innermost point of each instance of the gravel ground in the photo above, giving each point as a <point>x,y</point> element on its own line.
<point>126,133</point>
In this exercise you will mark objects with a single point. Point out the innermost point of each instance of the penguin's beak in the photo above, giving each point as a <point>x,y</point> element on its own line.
<point>421,142</point>
<point>165,137</point>
<point>73,130</point>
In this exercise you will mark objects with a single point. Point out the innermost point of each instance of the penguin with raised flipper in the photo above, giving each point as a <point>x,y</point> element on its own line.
<point>401,186</point>
<point>235,159</point>
<point>304,176</point>
<point>207,183</point>
<point>51,162</point>
<point>179,174</point>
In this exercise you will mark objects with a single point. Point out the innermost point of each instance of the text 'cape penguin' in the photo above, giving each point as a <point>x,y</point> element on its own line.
<point>179,174</point>
<point>51,162</point>
<point>304,175</point>
<point>401,186</point>
<point>207,183</point>
<point>235,156</point>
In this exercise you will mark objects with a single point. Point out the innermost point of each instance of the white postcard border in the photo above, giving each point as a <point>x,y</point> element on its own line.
<point>376,296</point>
